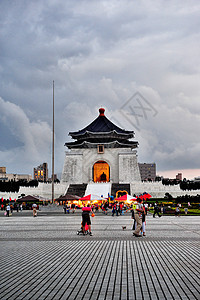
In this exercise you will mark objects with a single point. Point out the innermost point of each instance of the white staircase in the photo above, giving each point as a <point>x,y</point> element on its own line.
<point>98,189</point>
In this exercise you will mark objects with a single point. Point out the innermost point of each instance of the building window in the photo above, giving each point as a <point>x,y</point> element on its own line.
<point>100,148</point>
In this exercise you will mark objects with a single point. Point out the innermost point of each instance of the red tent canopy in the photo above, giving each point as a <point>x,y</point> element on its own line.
<point>91,197</point>
<point>125,197</point>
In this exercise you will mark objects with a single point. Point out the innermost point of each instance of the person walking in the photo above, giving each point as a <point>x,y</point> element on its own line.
<point>138,217</point>
<point>177,211</point>
<point>156,210</point>
<point>65,208</point>
<point>146,207</point>
<point>8,210</point>
<point>73,208</point>
<point>144,221</point>
<point>133,216</point>
<point>68,208</point>
<point>113,209</point>
<point>34,210</point>
<point>86,219</point>
<point>117,209</point>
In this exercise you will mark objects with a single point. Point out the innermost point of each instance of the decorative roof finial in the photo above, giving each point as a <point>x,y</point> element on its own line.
<point>101,111</point>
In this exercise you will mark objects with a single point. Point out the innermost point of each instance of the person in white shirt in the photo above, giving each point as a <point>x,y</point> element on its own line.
<point>8,210</point>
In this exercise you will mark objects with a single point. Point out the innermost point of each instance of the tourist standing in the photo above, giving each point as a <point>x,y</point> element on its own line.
<point>177,211</point>
<point>133,215</point>
<point>68,208</point>
<point>121,208</point>
<point>117,209</point>
<point>138,217</point>
<point>106,207</point>
<point>65,208</point>
<point>86,219</point>
<point>34,210</point>
<point>73,207</point>
<point>146,207</point>
<point>96,207</point>
<point>113,209</point>
<point>8,210</point>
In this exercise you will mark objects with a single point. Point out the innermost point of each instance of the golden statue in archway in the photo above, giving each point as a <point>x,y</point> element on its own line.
<point>101,171</point>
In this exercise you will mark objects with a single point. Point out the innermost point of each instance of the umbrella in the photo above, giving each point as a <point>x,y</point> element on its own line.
<point>125,197</point>
<point>91,197</point>
<point>147,196</point>
<point>144,196</point>
<point>34,205</point>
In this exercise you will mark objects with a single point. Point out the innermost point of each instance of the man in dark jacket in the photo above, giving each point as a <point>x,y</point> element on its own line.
<point>86,219</point>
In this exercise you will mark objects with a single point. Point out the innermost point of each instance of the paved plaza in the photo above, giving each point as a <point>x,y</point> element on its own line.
<point>44,258</point>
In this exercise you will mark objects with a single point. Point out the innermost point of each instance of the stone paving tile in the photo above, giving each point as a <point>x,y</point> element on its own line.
<point>43,258</point>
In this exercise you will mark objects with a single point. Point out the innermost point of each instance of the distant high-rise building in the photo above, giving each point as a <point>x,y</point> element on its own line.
<point>147,171</point>
<point>3,170</point>
<point>179,176</point>
<point>41,172</point>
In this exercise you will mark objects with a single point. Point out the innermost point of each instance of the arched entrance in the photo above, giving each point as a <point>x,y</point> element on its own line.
<point>101,171</point>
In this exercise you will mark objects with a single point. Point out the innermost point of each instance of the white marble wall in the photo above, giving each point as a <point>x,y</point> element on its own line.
<point>128,167</point>
<point>158,190</point>
<point>78,165</point>
<point>73,168</point>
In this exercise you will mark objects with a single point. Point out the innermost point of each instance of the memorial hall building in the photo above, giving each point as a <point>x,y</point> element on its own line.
<point>101,153</point>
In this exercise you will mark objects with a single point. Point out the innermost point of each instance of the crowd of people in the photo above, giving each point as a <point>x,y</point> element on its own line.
<point>139,212</point>
<point>138,209</point>
<point>9,208</point>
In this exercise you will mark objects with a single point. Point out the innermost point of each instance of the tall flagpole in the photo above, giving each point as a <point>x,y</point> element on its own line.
<point>52,198</point>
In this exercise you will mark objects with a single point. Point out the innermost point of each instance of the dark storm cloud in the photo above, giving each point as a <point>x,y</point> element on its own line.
<point>99,53</point>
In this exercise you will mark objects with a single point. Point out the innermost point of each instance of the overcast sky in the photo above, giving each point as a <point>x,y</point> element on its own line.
<point>140,60</point>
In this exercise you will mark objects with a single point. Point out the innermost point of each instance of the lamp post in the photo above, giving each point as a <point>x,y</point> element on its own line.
<point>52,197</point>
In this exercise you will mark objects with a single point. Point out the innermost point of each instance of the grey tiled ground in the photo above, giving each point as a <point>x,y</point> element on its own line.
<point>44,258</point>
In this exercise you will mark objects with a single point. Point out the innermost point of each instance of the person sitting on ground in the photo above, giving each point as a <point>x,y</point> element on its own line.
<point>86,219</point>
